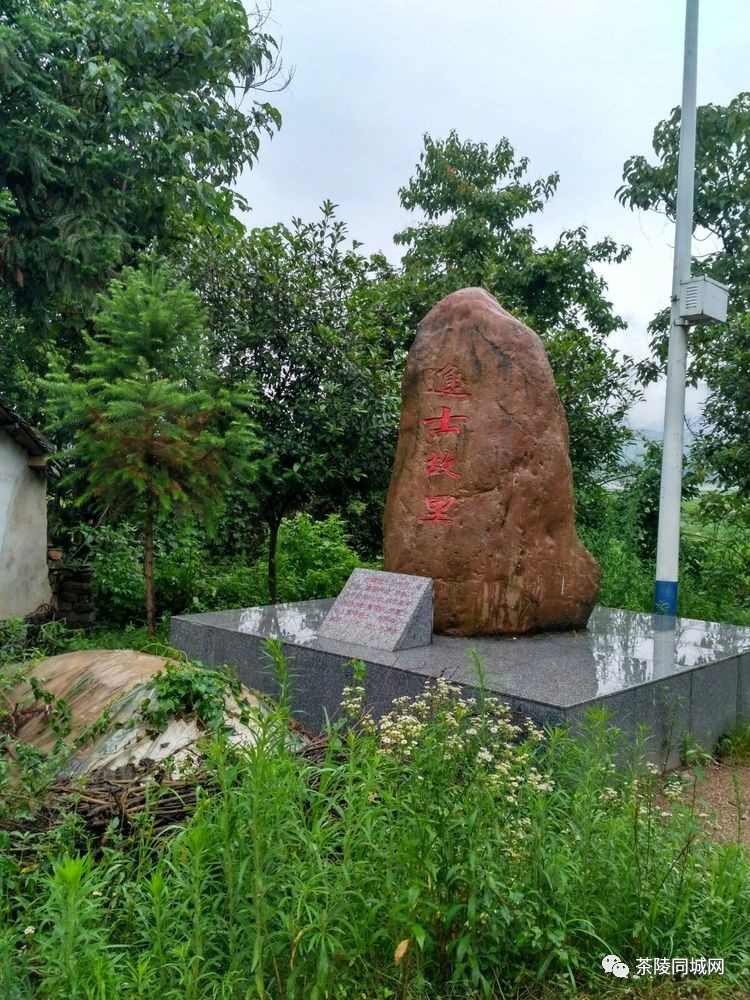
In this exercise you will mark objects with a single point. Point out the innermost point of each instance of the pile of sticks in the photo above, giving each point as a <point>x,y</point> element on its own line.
<point>147,800</point>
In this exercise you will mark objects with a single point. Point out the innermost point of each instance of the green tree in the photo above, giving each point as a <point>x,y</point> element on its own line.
<point>154,433</point>
<point>718,354</point>
<point>476,201</point>
<point>291,307</point>
<point>722,188</point>
<point>20,355</point>
<point>723,443</point>
<point>119,119</point>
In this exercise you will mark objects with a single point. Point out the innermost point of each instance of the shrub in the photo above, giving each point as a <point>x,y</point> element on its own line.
<point>116,559</point>
<point>314,561</point>
<point>714,554</point>
<point>115,554</point>
<point>231,586</point>
<point>613,536</point>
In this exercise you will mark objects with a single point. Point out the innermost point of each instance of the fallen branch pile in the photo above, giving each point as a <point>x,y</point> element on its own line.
<point>147,798</point>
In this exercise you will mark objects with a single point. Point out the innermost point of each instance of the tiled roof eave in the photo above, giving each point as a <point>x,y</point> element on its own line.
<point>22,432</point>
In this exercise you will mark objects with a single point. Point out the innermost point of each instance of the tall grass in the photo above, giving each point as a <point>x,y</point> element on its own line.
<point>444,853</point>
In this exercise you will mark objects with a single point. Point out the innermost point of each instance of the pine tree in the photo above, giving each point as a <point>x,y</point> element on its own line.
<point>153,431</point>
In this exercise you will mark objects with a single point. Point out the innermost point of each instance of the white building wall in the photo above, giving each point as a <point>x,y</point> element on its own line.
<point>24,580</point>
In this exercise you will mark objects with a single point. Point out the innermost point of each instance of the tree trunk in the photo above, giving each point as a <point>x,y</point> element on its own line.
<point>273,541</point>
<point>148,569</point>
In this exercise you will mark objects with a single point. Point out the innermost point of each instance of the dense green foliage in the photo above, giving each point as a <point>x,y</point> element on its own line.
<point>315,561</point>
<point>291,308</point>
<point>724,441</point>
<point>155,433</point>
<point>317,557</point>
<point>118,119</point>
<point>476,203</point>
<point>719,355</point>
<point>715,551</point>
<point>445,852</point>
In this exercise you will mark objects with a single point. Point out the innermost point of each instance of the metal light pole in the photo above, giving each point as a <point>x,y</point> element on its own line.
<point>670,496</point>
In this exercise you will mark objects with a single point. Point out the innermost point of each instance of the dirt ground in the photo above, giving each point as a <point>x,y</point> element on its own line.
<point>722,804</point>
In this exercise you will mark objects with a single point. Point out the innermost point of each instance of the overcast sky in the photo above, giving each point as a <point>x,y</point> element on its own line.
<point>575,85</point>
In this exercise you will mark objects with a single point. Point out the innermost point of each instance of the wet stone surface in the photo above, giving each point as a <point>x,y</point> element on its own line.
<point>673,674</point>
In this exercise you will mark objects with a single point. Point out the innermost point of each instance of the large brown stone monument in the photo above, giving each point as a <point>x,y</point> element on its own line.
<point>481,494</point>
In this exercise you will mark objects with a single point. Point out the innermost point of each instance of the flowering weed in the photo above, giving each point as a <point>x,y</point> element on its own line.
<point>447,850</point>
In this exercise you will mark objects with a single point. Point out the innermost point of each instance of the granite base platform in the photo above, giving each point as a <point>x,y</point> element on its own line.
<point>673,675</point>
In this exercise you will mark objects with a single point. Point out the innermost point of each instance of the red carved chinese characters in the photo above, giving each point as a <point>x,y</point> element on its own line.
<point>442,424</point>
<point>437,508</point>
<point>438,464</point>
<point>446,381</point>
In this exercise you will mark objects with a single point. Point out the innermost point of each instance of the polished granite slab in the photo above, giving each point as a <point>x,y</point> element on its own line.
<point>675,675</point>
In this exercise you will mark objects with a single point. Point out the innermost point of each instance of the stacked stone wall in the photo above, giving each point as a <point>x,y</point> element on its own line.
<point>72,590</point>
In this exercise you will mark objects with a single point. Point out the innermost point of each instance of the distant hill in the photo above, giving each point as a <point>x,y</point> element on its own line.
<point>634,451</point>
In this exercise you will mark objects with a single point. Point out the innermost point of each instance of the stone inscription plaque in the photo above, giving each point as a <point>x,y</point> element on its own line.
<point>382,610</point>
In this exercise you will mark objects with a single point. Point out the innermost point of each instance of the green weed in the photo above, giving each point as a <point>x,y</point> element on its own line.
<point>735,744</point>
<point>448,851</point>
